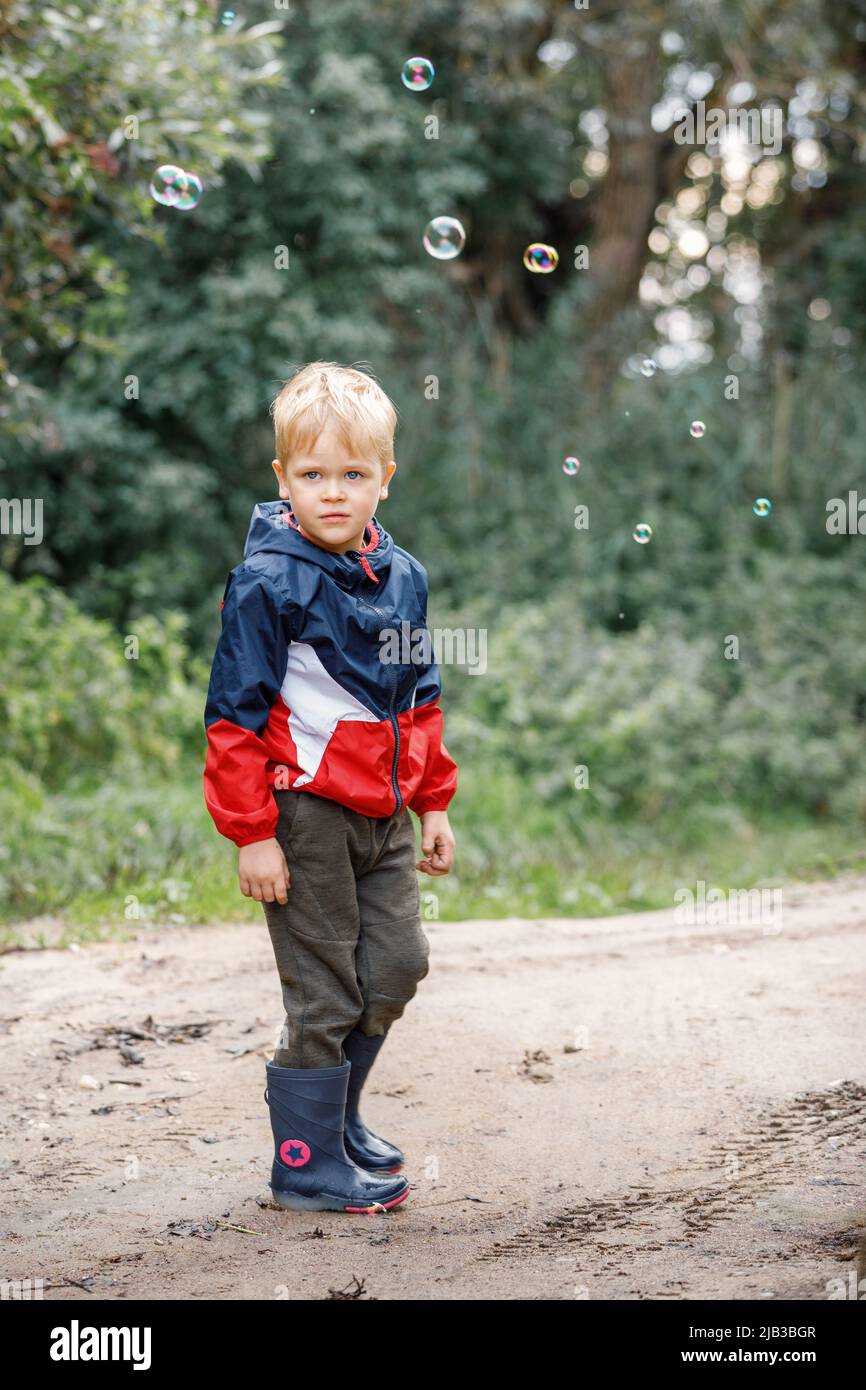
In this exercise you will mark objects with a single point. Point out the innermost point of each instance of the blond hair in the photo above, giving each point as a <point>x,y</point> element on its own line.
<point>323,391</point>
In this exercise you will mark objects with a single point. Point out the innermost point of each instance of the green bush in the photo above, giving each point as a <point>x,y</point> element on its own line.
<point>75,708</point>
<point>663,722</point>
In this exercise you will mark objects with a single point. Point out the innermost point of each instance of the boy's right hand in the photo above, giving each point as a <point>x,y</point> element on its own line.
<point>263,872</point>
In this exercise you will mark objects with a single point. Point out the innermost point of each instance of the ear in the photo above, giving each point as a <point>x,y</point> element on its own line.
<point>284,491</point>
<point>390,470</point>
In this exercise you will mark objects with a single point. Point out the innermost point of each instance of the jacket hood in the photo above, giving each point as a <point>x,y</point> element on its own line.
<point>274,527</point>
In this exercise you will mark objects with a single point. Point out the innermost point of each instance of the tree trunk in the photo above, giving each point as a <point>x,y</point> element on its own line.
<point>625,201</point>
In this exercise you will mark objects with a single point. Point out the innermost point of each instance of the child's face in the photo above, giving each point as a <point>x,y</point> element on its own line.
<point>330,480</point>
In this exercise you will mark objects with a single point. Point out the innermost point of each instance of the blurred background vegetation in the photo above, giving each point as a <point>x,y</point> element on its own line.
<point>141,346</point>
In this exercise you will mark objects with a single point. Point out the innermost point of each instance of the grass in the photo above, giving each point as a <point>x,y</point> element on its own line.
<point>109,861</point>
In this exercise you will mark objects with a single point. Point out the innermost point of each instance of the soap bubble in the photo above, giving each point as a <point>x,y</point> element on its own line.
<point>642,533</point>
<point>649,366</point>
<point>761,506</point>
<point>417,74</point>
<point>173,187</point>
<point>697,429</point>
<point>444,238</point>
<point>540,258</point>
<point>571,465</point>
<point>227,17</point>
<point>163,185</point>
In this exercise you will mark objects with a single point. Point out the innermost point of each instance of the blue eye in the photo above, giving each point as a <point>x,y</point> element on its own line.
<point>311,471</point>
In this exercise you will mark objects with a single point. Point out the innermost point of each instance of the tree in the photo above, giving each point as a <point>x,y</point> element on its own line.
<point>92,102</point>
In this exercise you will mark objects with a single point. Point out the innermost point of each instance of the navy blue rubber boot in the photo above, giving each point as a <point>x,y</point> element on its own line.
<point>311,1170</point>
<point>368,1150</point>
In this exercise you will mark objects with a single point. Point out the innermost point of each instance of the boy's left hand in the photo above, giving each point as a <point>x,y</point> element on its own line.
<point>437,843</point>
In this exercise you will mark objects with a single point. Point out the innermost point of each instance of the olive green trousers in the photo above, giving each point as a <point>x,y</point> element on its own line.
<point>349,945</point>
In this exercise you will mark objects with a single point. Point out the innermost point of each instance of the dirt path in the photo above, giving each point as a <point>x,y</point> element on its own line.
<point>623,1108</point>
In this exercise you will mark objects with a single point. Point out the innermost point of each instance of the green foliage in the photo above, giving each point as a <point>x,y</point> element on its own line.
<point>663,721</point>
<point>137,854</point>
<point>72,78</point>
<point>602,652</point>
<point>698,765</point>
<point>75,708</point>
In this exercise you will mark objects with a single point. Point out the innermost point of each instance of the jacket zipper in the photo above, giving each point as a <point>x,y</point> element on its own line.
<point>396,749</point>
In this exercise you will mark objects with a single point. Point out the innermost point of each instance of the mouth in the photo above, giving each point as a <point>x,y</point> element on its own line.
<point>334,516</point>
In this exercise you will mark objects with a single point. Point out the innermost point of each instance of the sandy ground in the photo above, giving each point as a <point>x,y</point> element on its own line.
<point>621,1108</point>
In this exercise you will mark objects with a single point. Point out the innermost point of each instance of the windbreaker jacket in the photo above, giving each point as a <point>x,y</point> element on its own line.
<point>305,691</point>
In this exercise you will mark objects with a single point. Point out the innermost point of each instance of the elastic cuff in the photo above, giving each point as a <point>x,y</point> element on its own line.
<point>256,839</point>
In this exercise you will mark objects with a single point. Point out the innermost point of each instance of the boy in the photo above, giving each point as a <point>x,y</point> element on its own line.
<point>319,739</point>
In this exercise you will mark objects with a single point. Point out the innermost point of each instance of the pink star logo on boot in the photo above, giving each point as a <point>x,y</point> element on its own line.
<point>294,1152</point>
